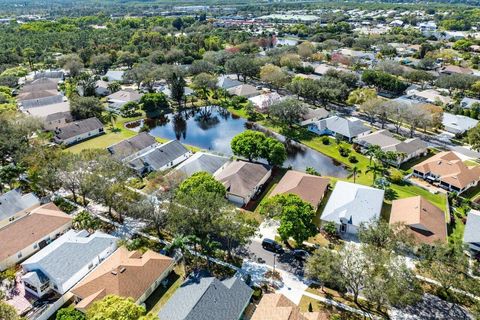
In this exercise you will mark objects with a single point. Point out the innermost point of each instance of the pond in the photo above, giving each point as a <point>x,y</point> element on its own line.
<point>212,128</point>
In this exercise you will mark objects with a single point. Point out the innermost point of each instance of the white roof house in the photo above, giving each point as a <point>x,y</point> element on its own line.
<point>352,204</point>
<point>264,101</point>
<point>471,234</point>
<point>64,262</point>
<point>457,124</point>
<point>469,102</point>
<point>348,128</point>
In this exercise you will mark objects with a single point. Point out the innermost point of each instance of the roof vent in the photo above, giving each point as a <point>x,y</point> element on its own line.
<point>114,272</point>
<point>123,270</point>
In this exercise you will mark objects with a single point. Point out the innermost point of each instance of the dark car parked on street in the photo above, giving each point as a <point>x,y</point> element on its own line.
<point>271,245</point>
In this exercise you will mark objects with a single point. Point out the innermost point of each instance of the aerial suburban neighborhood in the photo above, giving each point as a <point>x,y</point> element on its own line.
<point>218,160</point>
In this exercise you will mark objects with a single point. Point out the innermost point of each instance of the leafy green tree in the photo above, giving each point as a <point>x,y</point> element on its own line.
<point>114,86</point>
<point>204,82</point>
<point>383,81</point>
<point>201,182</point>
<point>274,152</point>
<point>382,235</point>
<point>243,66</point>
<point>29,55</point>
<point>115,307</point>
<point>288,111</point>
<point>248,144</point>
<point>7,312</point>
<point>127,58</point>
<point>85,221</point>
<point>296,217</point>
<point>70,314</point>
<point>86,107</point>
<point>71,62</point>
<point>361,95</point>
<point>273,75</point>
<point>100,63</point>
<point>473,136</point>
<point>154,103</point>
<point>456,81</point>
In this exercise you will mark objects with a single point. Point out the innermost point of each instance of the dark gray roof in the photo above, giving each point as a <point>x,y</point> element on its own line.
<point>133,145</point>
<point>42,101</point>
<point>202,162</point>
<point>158,157</point>
<point>40,85</point>
<point>59,115</point>
<point>14,201</point>
<point>53,74</point>
<point>208,299</point>
<point>77,128</point>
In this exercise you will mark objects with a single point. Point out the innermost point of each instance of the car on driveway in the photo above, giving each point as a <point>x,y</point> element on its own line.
<point>300,254</point>
<point>271,245</point>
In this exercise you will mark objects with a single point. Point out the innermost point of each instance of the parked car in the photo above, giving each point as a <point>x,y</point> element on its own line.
<point>300,254</point>
<point>271,245</point>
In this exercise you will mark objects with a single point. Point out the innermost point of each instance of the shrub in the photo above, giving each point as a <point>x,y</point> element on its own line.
<point>326,140</point>
<point>344,151</point>
<point>396,176</point>
<point>352,159</point>
<point>64,205</point>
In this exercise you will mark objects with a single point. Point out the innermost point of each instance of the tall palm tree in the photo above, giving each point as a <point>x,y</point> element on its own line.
<point>355,171</point>
<point>372,151</point>
<point>111,117</point>
<point>375,168</point>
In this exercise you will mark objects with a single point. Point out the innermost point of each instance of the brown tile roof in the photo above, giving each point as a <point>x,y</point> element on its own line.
<point>278,307</point>
<point>124,273</point>
<point>308,187</point>
<point>30,229</point>
<point>425,221</point>
<point>450,168</point>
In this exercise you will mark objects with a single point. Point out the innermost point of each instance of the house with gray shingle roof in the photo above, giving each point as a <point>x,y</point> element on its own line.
<point>127,149</point>
<point>14,204</point>
<point>225,82</point>
<point>457,124</point>
<point>202,161</point>
<point>160,158</point>
<point>348,128</point>
<point>471,234</point>
<point>65,261</point>
<point>78,131</point>
<point>207,298</point>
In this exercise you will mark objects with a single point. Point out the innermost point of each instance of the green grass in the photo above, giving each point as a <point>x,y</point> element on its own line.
<point>161,295</point>
<point>114,136</point>
<point>455,231</point>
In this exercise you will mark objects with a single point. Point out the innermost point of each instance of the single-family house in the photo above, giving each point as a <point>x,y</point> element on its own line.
<point>244,90</point>
<point>128,274</point>
<point>452,69</point>
<point>469,102</point>
<point>30,233</point>
<point>78,131</point>
<point>65,261</point>
<point>160,158</point>
<point>227,82</point>
<point>425,221</point>
<point>471,234</point>
<point>243,180</point>
<point>314,115</point>
<point>322,69</point>
<point>101,88</point>
<point>263,101</point>
<point>50,74</point>
<point>335,125</point>
<point>207,298</point>
<point>457,124</point>
<point>308,187</point>
<point>14,204</point>
<point>132,147</point>
<point>57,120</point>
<point>38,89</point>
<point>33,103</point>
<point>117,99</point>
<point>114,75</point>
<point>166,91</point>
<point>202,161</point>
<point>429,26</point>
<point>275,306</point>
<point>449,171</point>
<point>430,96</point>
<point>406,150</point>
<point>352,204</point>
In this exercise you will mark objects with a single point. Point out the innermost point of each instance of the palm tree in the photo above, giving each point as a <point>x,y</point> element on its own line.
<point>180,243</point>
<point>375,168</point>
<point>114,87</point>
<point>355,171</point>
<point>372,151</point>
<point>400,157</point>
<point>111,117</point>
